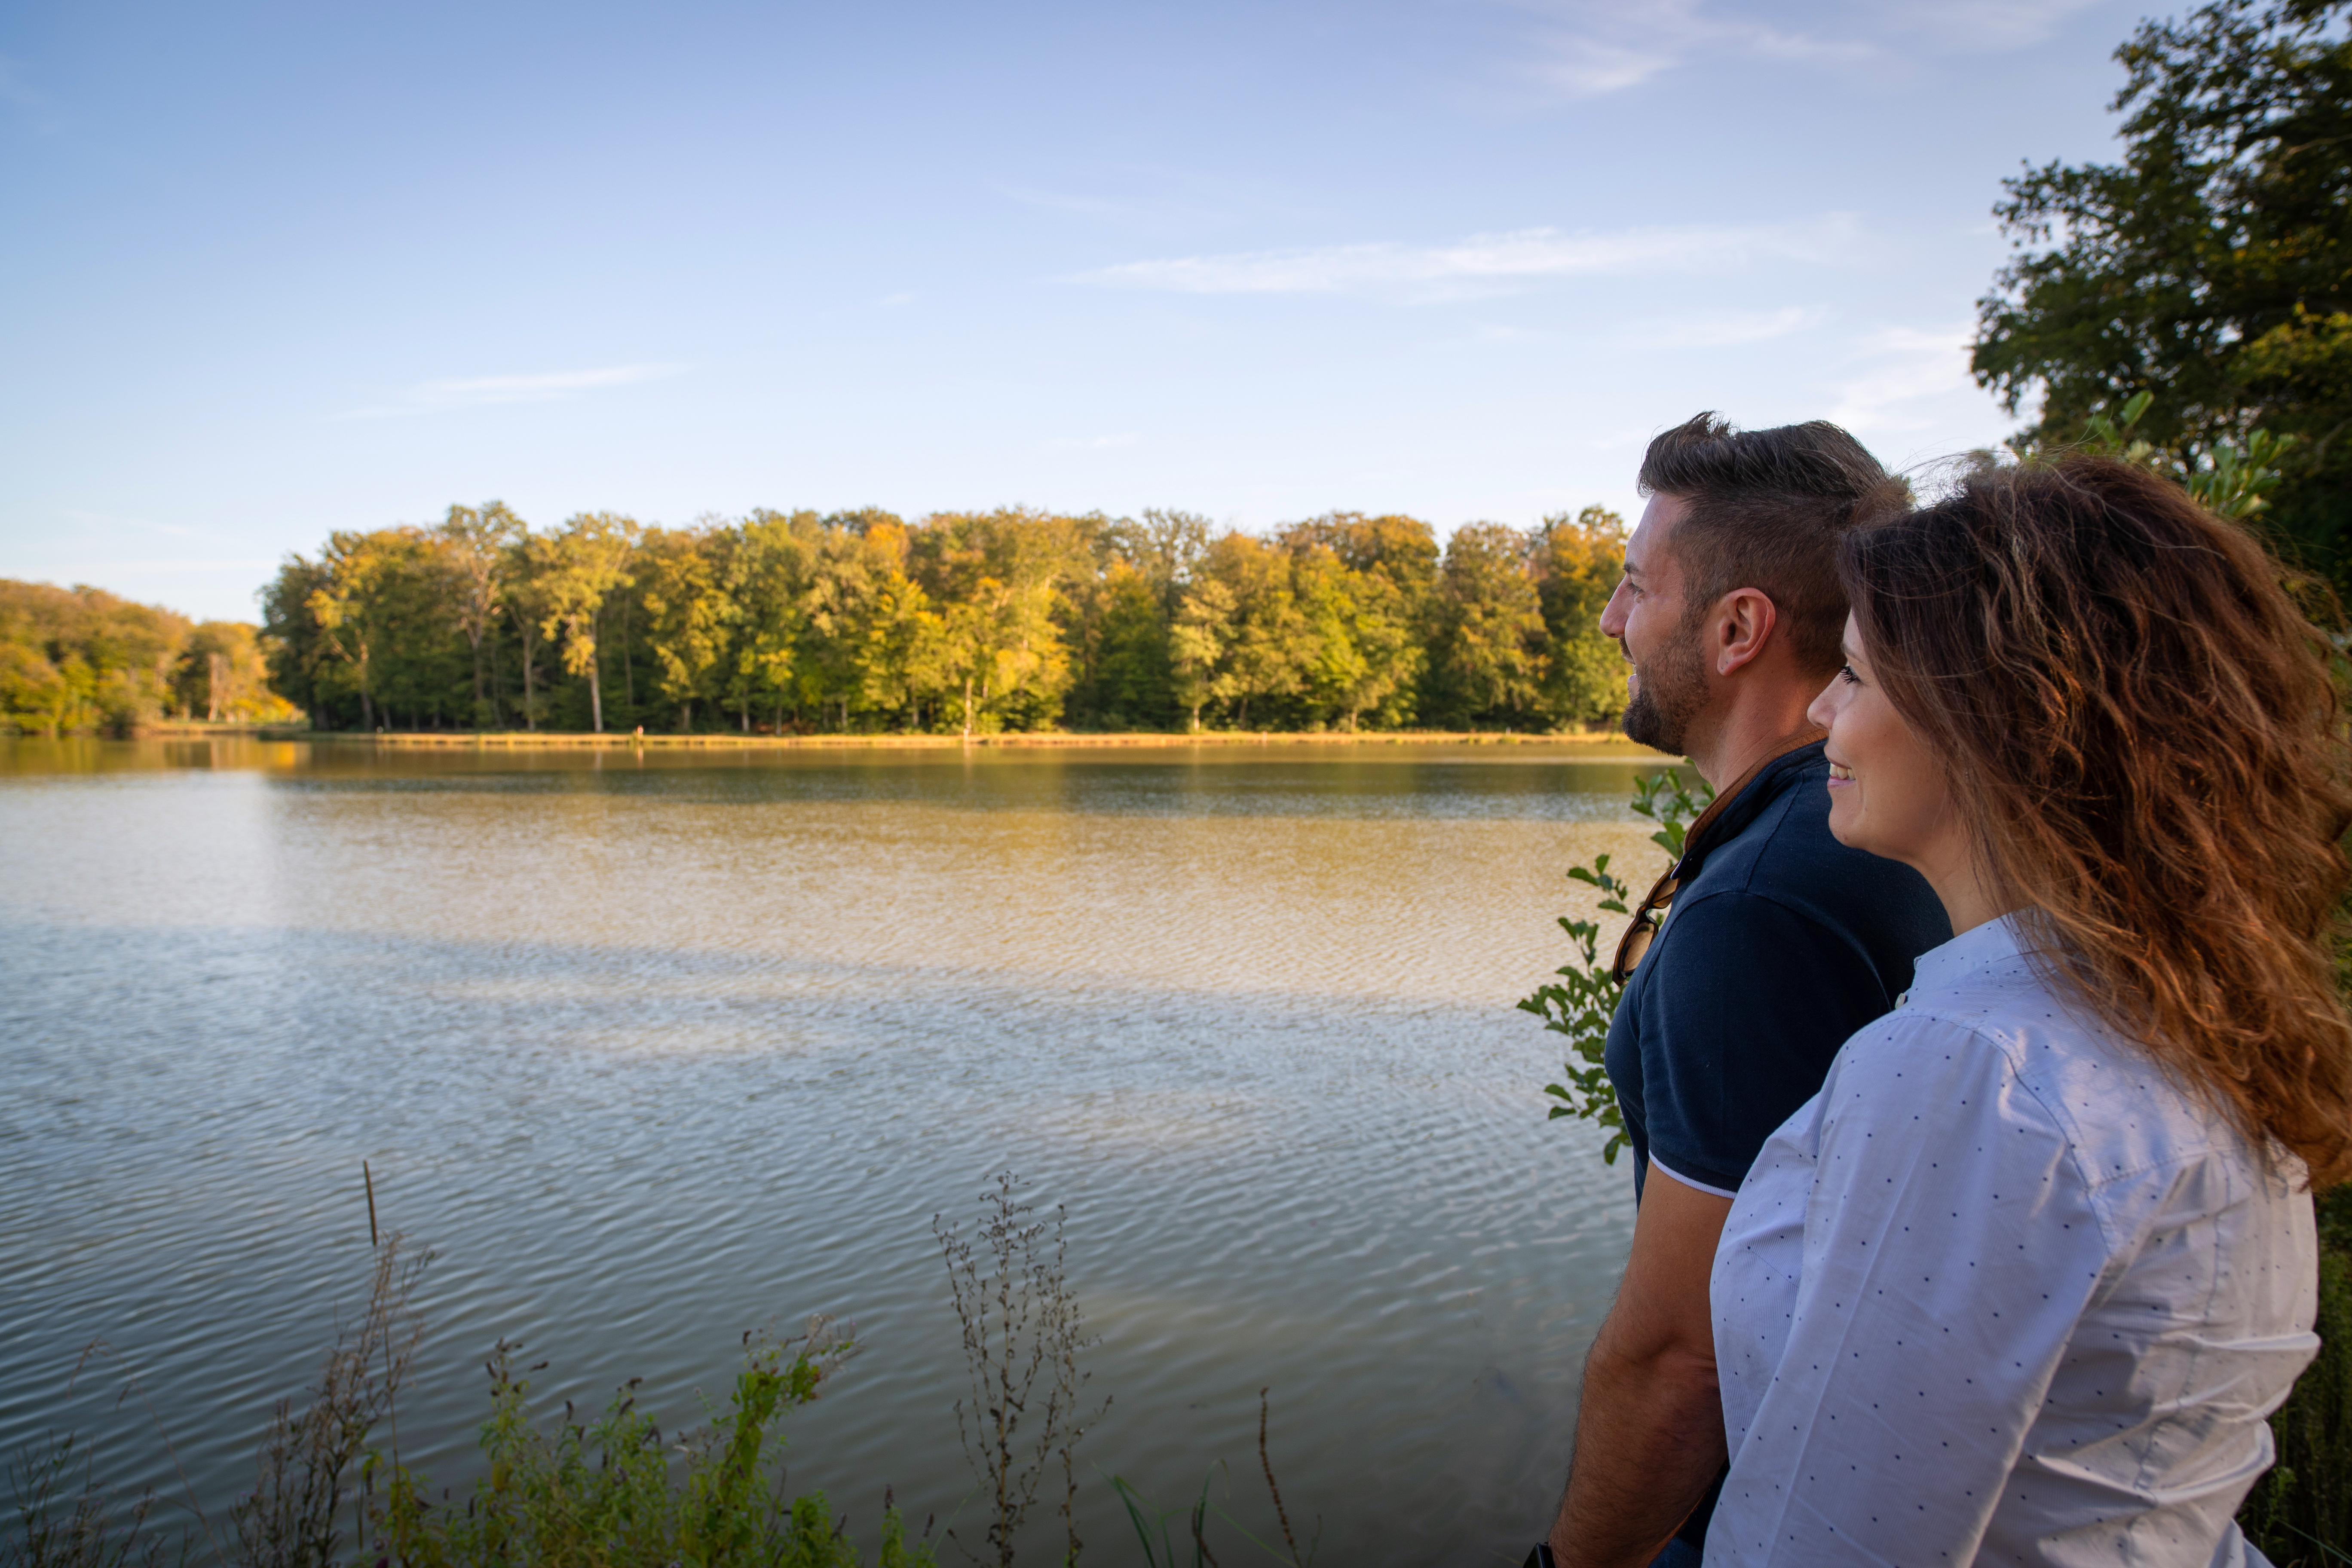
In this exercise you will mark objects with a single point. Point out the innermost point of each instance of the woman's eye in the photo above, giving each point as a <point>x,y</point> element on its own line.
<point>1846,674</point>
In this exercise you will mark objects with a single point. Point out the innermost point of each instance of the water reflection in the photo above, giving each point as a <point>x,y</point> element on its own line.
<point>652,1050</point>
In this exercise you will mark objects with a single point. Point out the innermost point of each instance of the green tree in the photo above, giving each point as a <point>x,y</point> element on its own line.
<point>1362,650</point>
<point>528,607</point>
<point>1487,657</point>
<point>84,658</point>
<point>222,670</point>
<point>1200,644</point>
<point>478,547</point>
<point>2212,266</point>
<point>1267,641</point>
<point>904,663</point>
<point>1123,637</point>
<point>346,605</point>
<point>1400,552</point>
<point>577,569</point>
<point>689,614</point>
<point>767,571</point>
<point>1577,562</point>
<point>835,611</point>
<point>996,577</point>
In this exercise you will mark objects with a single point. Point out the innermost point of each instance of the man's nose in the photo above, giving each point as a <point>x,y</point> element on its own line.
<point>1613,619</point>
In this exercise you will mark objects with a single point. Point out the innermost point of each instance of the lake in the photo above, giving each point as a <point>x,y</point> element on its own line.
<point>654,1049</point>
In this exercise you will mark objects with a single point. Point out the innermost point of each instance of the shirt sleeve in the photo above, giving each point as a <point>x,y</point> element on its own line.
<point>1750,1006</point>
<point>1949,1250</point>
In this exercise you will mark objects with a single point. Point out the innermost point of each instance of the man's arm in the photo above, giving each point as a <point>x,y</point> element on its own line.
<point>1649,1431</point>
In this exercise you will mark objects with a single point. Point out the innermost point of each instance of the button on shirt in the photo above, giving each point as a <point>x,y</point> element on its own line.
<point>2003,1293</point>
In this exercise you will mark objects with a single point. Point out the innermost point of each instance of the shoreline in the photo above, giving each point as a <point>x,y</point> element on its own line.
<point>524,739</point>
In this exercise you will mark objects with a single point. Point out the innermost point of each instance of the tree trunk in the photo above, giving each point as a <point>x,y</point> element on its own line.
<point>596,698</point>
<point>967,707</point>
<point>628,664</point>
<point>498,689</point>
<point>367,710</point>
<point>480,695</point>
<point>686,716</point>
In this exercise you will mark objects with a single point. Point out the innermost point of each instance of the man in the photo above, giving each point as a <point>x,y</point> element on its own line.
<point>1780,940</point>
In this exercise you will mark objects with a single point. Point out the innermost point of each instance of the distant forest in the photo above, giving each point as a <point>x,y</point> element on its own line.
<point>973,622</point>
<point>73,660</point>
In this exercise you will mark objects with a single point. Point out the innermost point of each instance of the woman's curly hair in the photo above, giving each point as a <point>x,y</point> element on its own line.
<point>2142,730</point>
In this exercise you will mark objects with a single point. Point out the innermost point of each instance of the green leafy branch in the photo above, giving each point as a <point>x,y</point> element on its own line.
<point>2226,478</point>
<point>1582,998</point>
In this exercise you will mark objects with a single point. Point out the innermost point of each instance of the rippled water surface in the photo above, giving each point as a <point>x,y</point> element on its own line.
<point>652,1050</point>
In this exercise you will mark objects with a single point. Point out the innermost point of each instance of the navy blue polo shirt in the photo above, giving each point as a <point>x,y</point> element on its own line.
<point>1779,943</point>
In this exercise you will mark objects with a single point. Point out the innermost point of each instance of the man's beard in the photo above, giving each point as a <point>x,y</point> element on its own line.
<point>1668,694</point>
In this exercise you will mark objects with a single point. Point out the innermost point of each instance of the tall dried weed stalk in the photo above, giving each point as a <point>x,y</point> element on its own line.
<point>311,1461</point>
<point>1023,1333</point>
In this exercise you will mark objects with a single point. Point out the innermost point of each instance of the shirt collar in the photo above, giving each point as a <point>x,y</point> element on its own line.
<point>1978,948</point>
<point>1748,805</point>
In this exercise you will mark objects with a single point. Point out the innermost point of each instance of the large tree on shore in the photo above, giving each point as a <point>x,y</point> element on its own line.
<point>2212,266</point>
<point>576,569</point>
<point>477,546</point>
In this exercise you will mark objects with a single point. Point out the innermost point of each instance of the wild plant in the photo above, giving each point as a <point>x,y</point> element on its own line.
<point>69,1525</point>
<point>1580,1002</point>
<point>1149,1518</point>
<point>1023,1333</point>
<point>604,1494</point>
<point>313,1460</point>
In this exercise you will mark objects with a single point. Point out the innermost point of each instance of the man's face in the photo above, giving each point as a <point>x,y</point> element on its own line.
<point>1647,618</point>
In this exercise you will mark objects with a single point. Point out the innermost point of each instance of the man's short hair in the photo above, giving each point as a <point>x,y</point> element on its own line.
<point>1764,509</point>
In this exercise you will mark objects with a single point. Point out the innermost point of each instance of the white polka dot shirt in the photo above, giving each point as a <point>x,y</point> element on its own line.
<point>2002,1293</point>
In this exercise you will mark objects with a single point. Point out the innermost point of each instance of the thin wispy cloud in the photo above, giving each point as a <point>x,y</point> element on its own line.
<point>1986,23</point>
<point>490,391</point>
<point>1091,443</point>
<point>1726,328</point>
<point>1588,48</point>
<point>1898,369</point>
<point>1486,262</point>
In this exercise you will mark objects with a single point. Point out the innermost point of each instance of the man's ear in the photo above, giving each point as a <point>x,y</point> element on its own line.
<point>1742,622</point>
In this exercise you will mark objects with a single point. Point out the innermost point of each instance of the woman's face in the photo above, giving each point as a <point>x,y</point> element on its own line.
<point>1887,790</point>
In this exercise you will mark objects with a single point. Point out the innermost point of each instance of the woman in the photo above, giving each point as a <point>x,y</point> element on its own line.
<point>2020,1283</point>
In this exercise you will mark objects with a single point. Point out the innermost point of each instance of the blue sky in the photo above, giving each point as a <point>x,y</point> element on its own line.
<point>274,270</point>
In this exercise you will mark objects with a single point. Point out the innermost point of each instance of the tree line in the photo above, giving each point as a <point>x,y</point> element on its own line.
<point>79,658</point>
<point>973,622</point>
